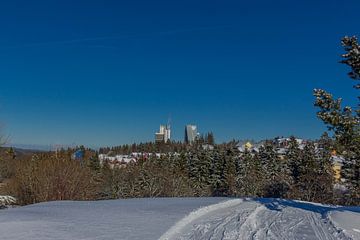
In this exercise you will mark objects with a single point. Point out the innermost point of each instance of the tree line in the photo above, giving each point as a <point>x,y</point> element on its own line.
<point>304,173</point>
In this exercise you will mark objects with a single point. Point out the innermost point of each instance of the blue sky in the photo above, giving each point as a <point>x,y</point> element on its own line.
<point>109,72</point>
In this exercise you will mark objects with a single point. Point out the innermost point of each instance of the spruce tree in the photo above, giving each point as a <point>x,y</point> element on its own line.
<point>315,181</point>
<point>217,174</point>
<point>251,176</point>
<point>94,163</point>
<point>276,171</point>
<point>231,154</point>
<point>293,156</point>
<point>199,165</point>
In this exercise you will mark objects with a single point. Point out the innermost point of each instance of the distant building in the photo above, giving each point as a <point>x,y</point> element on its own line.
<point>249,146</point>
<point>116,160</point>
<point>78,155</point>
<point>191,133</point>
<point>164,134</point>
<point>281,142</point>
<point>337,162</point>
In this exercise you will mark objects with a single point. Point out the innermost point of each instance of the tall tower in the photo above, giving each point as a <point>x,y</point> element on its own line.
<point>160,136</point>
<point>167,136</point>
<point>164,134</point>
<point>190,133</point>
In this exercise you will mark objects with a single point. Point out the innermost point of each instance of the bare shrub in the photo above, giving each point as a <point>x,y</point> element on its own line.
<point>48,178</point>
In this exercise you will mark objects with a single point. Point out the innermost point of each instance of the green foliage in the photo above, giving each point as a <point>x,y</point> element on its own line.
<point>251,176</point>
<point>345,123</point>
<point>217,174</point>
<point>341,121</point>
<point>94,163</point>
<point>352,57</point>
<point>294,159</point>
<point>277,171</point>
<point>315,177</point>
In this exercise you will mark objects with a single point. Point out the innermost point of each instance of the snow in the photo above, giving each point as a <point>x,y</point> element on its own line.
<point>135,219</point>
<point>348,219</point>
<point>266,219</point>
<point>180,218</point>
<point>176,229</point>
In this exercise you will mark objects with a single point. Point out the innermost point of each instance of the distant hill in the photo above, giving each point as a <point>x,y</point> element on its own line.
<point>19,152</point>
<point>30,147</point>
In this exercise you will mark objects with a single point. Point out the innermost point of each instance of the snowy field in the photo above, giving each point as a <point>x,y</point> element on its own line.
<point>268,219</point>
<point>180,218</point>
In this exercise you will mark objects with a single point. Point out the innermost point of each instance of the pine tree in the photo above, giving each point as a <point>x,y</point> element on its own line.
<point>352,58</point>
<point>315,181</point>
<point>344,122</point>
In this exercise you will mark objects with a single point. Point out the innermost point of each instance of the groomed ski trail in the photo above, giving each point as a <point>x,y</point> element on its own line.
<point>242,219</point>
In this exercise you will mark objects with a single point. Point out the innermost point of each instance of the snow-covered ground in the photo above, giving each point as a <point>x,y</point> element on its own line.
<point>135,219</point>
<point>347,219</point>
<point>180,218</point>
<point>268,219</point>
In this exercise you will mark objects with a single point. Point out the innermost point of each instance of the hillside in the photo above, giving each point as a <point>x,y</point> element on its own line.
<point>268,219</point>
<point>180,218</point>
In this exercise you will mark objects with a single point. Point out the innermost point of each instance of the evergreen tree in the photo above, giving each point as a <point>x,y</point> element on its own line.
<point>293,156</point>
<point>315,181</point>
<point>94,163</point>
<point>276,171</point>
<point>251,175</point>
<point>181,162</point>
<point>352,58</point>
<point>326,145</point>
<point>344,122</point>
<point>217,173</point>
<point>230,159</point>
<point>210,139</point>
<point>199,170</point>
<point>109,187</point>
<point>11,153</point>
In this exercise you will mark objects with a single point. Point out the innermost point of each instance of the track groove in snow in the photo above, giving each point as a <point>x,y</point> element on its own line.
<point>200,213</point>
<point>256,219</point>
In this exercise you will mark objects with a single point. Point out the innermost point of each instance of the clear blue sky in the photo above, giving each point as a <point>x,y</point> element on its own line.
<point>109,72</point>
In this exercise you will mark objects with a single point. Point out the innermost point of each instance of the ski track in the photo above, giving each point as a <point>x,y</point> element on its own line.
<point>239,219</point>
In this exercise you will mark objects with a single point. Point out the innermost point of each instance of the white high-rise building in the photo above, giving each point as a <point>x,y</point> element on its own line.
<point>164,134</point>
<point>191,133</point>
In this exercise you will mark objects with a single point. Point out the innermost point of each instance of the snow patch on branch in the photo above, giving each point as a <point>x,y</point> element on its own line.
<point>6,201</point>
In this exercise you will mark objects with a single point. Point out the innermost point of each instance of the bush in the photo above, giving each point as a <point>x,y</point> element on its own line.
<point>6,168</point>
<point>50,178</point>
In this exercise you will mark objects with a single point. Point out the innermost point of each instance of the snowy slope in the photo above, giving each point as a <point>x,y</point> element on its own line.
<point>347,219</point>
<point>267,219</point>
<point>135,219</point>
<point>180,218</point>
